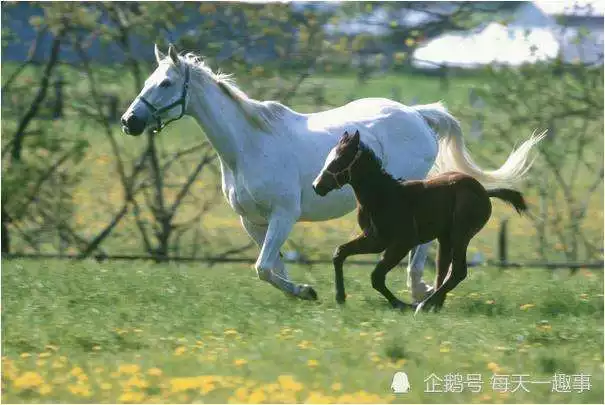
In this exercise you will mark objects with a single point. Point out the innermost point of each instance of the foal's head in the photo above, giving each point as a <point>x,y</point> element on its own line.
<point>339,164</point>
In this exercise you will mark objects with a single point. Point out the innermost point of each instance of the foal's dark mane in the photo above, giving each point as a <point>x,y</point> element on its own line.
<point>375,160</point>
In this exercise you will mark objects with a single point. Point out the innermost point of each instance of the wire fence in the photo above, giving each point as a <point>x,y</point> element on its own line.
<point>211,261</point>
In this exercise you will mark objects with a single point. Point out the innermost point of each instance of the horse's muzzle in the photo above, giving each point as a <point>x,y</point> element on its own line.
<point>133,125</point>
<point>320,190</point>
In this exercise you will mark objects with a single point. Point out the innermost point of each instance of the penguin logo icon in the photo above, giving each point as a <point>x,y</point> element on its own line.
<point>400,384</point>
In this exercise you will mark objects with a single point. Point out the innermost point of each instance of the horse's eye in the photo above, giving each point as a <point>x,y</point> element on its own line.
<point>165,83</point>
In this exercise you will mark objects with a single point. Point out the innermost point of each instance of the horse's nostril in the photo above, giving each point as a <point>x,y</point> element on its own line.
<point>123,121</point>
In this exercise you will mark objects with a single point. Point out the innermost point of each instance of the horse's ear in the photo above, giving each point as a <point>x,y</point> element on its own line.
<point>173,54</point>
<point>355,139</point>
<point>158,54</point>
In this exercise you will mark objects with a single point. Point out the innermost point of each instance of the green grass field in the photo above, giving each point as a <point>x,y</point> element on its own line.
<point>140,332</point>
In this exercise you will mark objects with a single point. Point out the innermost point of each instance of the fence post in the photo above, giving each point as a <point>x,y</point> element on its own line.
<point>502,244</point>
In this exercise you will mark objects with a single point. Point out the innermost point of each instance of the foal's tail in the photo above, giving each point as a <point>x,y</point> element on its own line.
<point>453,155</point>
<point>512,197</point>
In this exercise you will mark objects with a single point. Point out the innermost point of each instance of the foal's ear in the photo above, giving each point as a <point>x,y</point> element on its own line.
<point>158,54</point>
<point>173,54</point>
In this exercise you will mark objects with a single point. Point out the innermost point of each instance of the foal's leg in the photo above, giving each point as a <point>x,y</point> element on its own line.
<point>444,260</point>
<point>360,245</point>
<point>457,273</point>
<point>420,290</point>
<point>391,257</point>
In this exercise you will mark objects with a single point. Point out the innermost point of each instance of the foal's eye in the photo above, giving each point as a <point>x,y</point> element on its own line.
<point>165,83</point>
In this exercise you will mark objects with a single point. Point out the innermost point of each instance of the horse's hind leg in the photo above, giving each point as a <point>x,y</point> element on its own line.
<point>420,290</point>
<point>392,256</point>
<point>360,245</point>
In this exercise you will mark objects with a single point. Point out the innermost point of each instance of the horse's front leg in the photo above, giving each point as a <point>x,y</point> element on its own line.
<point>280,224</point>
<point>360,245</point>
<point>420,290</point>
<point>258,233</point>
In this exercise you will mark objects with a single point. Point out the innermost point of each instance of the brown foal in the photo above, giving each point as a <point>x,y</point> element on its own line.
<point>396,215</point>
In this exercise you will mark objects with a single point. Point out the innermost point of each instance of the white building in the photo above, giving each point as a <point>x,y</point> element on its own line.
<point>536,31</point>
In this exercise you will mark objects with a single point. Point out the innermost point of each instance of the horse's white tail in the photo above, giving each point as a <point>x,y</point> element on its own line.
<point>453,155</point>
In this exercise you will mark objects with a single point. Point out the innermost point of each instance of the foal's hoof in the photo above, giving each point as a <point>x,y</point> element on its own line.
<point>307,292</point>
<point>341,299</point>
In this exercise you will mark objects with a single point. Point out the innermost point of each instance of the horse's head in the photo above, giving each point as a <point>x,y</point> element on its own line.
<point>337,168</point>
<point>163,98</point>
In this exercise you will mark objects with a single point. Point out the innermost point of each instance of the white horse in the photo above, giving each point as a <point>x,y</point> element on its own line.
<point>270,154</point>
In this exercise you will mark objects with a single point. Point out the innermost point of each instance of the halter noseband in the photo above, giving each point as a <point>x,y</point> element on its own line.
<point>156,113</point>
<point>346,169</point>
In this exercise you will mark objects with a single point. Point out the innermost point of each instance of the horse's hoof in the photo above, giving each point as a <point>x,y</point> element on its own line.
<point>341,299</point>
<point>421,292</point>
<point>419,307</point>
<point>307,292</point>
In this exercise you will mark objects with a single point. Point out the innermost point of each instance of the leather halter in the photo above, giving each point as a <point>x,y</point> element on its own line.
<point>156,113</point>
<point>346,169</point>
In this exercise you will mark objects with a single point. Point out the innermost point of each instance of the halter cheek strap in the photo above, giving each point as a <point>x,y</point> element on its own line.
<point>156,113</point>
<point>346,170</point>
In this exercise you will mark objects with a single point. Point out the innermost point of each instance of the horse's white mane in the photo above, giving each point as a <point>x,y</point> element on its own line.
<point>265,115</point>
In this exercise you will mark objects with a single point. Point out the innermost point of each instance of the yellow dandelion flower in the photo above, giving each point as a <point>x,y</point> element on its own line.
<point>132,397</point>
<point>207,386</point>
<point>28,380</point>
<point>526,306</point>
<point>25,355</point>
<point>363,334</point>
<point>136,381</point>
<point>180,350</point>
<point>444,349</point>
<point>40,363</point>
<point>45,389</point>
<point>106,386</point>
<point>231,332</point>
<point>183,384</point>
<point>128,369</point>
<point>96,348</point>
<point>240,362</point>
<point>305,344</point>
<point>52,347</point>
<point>312,363</point>
<point>44,355</point>
<point>316,397</point>
<point>98,370</point>
<point>493,367</point>
<point>490,302</point>
<point>137,330</point>
<point>76,371</point>
<point>155,372</point>
<point>410,42</point>
<point>336,386</point>
<point>257,396</point>
<point>79,390</point>
<point>428,337</point>
<point>288,383</point>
